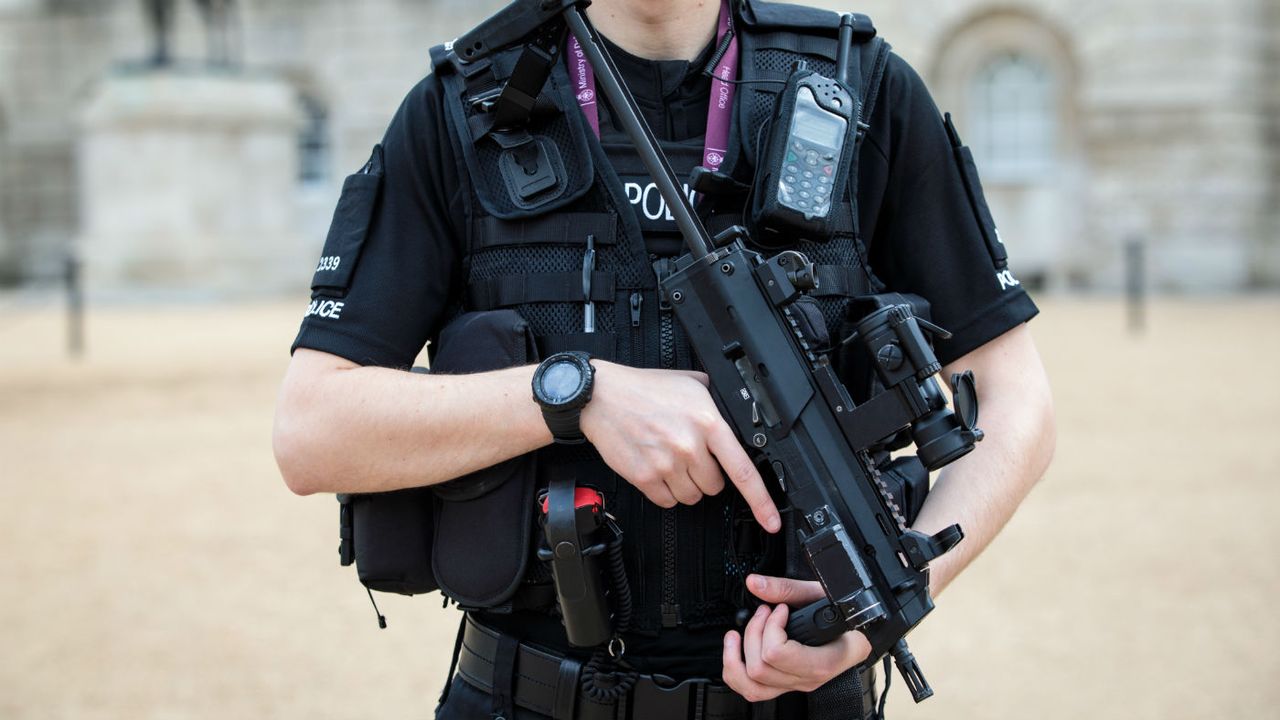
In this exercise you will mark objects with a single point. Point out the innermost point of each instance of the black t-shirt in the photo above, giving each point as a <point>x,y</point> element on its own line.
<point>916,218</point>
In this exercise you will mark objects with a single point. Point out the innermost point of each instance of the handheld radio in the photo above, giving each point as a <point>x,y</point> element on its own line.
<point>803,167</point>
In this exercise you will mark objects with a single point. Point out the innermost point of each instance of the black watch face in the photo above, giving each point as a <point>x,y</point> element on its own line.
<point>561,382</point>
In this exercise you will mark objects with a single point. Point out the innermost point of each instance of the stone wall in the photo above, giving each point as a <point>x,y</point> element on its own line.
<point>1171,116</point>
<point>1171,125</point>
<point>357,58</point>
<point>50,54</point>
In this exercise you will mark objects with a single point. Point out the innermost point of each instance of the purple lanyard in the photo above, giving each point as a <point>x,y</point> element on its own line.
<point>719,112</point>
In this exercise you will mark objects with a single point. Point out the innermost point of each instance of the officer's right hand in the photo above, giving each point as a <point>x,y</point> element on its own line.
<point>661,432</point>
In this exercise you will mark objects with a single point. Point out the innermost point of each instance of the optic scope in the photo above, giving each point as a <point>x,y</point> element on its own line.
<point>905,363</point>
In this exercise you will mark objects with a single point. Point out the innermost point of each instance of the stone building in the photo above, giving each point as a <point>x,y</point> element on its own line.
<point>1095,122</point>
<point>1099,121</point>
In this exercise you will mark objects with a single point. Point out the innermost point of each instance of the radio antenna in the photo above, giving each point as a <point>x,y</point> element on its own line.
<point>842,52</point>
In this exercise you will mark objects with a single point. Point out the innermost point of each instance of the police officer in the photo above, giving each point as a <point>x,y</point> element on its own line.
<point>351,421</point>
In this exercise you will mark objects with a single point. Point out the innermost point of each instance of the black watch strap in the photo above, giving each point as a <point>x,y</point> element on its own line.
<point>565,425</point>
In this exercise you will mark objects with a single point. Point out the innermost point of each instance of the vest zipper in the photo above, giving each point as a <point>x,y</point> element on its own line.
<point>637,300</point>
<point>670,532</point>
<point>637,335</point>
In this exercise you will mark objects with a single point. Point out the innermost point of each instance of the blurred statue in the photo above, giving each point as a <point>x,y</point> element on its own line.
<point>160,14</point>
<point>218,21</point>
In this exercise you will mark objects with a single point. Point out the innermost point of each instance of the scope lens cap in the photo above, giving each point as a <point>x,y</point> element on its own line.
<point>965,389</point>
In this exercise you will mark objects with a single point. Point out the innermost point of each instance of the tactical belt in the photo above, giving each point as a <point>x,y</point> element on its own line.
<point>549,684</point>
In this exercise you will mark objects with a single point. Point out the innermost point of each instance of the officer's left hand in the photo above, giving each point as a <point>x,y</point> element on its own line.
<point>761,663</point>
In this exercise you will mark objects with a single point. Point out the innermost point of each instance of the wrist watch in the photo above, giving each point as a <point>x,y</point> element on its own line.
<point>562,387</point>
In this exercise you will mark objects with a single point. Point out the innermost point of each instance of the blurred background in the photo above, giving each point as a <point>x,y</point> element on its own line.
<point>162,205</point>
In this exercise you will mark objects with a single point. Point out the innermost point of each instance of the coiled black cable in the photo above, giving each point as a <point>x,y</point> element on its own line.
<point>607,678</point>
<point>621,586</point>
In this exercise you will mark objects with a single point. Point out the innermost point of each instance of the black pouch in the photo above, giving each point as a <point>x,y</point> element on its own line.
<point>350,227</point>
<point>469,537</point>
<point>778,224</point>
<point>977,198</point>
<point>484,521</point>
<point>388,538</point>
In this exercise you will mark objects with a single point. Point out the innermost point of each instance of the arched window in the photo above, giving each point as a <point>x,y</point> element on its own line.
<point>1013,101</point>
<point>314,157</point>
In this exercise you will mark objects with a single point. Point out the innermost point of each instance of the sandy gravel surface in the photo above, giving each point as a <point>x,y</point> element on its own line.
<point>154,566</point>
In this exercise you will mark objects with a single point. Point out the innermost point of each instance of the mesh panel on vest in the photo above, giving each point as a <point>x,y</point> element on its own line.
<point>778,64</point>
<point>782,61</point>
<point>840,250</point>
<point>547,318</point>
<point>525,260</point>
<point>544,318</point>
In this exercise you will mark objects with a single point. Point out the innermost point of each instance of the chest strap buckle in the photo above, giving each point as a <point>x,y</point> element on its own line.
<point>530,168</point>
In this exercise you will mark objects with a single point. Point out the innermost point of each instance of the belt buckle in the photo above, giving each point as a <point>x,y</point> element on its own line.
<point>662,697</point>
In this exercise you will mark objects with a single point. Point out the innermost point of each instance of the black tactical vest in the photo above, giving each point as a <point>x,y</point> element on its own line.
<point>525,254</point>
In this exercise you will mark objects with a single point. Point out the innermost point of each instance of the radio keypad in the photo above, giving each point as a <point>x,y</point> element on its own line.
<point>806,180</point>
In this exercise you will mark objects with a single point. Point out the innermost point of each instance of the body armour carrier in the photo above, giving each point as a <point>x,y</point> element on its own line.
<point>541,195</point>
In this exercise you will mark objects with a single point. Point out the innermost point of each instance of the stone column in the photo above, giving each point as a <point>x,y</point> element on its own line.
<point>1268,273</point>
<point>8,263</point>
<point>187,184</point>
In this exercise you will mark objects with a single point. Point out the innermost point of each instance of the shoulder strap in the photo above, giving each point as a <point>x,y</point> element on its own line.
<point>764,16</point>
<point>507,27</point>
<point>872,75</point>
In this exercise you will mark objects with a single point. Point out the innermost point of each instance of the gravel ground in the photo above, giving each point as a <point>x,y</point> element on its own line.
<point>154,565</point>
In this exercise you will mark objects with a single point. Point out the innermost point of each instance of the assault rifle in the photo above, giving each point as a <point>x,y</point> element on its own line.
<point>788,406</point>
<point>748,321</point>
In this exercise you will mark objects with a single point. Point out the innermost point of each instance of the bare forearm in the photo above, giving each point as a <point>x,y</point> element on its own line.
<point>982,491</point>
<point>344,428</point>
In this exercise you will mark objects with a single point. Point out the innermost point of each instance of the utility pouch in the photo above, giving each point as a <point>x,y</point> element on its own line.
<point>469,537</point>
<point>577,534</point>
<point>388,538</point>
<point>350,227</point>
<point>484,521</point>
<point>977,199</point>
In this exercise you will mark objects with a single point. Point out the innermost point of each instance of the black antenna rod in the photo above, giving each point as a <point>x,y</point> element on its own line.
<point>842,52</point>
<point>691,227</point>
